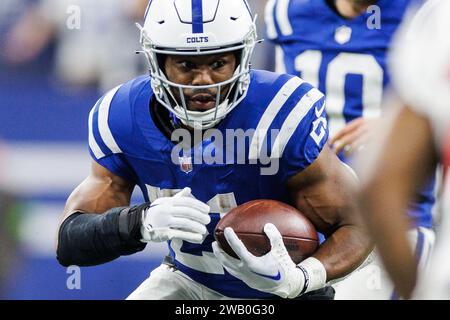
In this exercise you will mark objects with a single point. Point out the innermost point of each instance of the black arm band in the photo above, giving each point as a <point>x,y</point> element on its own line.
<point>90,239</point>
<point>306,284</point>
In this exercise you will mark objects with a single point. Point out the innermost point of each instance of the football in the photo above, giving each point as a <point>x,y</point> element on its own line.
<point>248,221</point>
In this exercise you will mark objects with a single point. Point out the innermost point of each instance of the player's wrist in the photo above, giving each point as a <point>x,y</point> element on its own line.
<point>155,220</point>
<point>314,273</point>
<point>130,222</point>
<point>147,229</point>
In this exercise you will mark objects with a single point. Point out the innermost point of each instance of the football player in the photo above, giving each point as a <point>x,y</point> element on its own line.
<point>340,46</point>
<point>201,83</point>
<point>416,141</point>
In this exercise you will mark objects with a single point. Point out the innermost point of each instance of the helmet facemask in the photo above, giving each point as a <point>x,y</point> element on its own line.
<point>225,102</point>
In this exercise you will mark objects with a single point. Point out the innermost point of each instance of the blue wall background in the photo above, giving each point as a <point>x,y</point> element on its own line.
<point>35,110</point>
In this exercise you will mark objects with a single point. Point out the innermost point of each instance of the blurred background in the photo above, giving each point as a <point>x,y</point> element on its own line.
<point>57,57</point>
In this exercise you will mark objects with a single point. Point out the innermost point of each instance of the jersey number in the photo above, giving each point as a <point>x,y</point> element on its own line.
<point>309,64</point>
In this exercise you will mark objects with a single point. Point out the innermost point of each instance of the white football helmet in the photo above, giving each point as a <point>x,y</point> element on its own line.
<point>199,27</point>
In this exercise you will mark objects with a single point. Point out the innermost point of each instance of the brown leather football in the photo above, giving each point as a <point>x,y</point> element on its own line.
<point>248,221</point>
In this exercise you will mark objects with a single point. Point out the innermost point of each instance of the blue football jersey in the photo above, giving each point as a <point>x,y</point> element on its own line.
<point>345,59</point>
<point>287,117</point>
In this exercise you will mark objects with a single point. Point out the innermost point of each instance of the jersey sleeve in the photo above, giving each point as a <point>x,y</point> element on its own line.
<point>109,128</point>
<point>303,135</point>
<point>278,20</point>
<point>291,128</point>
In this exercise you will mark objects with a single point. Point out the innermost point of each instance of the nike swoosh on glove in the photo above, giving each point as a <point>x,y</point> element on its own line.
<point>275,272</point>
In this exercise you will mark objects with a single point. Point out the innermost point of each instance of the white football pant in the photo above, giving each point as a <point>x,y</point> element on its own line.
<point>372,282</point>
<point>167,283</point>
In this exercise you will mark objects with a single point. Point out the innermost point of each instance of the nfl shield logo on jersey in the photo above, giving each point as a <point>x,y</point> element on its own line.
<point>185,164</point>
<point>343,34</point>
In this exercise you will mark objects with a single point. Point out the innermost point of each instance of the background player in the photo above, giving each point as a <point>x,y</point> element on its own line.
<point>340,46</point>
<point>416,140</point>
<point>199,54</point>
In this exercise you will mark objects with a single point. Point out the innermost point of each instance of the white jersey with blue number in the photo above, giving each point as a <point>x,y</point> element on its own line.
<point>282,109</point>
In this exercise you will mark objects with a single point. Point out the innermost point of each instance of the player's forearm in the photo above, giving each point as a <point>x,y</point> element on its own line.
<point>388,226</point>
<point>96,195</point>
<point>407,161</point>
<point>91,239</point>
<point>344,251</point>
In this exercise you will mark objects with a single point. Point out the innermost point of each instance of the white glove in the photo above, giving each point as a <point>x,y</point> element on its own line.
<point>180,217</point>
<point>274,272</point>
